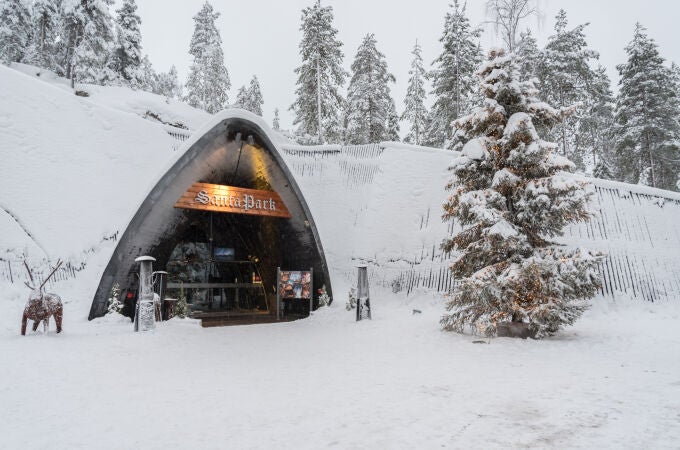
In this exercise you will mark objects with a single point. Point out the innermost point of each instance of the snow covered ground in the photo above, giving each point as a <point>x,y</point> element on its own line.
<point>74,169</point>
<point>611,381</point>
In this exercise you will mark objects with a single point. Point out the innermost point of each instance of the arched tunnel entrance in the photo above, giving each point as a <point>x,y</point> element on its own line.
<point>221,222</point>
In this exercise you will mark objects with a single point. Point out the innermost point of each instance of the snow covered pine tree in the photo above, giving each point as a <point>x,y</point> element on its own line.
<point>511,195</point>
<point>208,80</point>
<point>318,100</point>
<point>414,103</point>
<point>369,101</point>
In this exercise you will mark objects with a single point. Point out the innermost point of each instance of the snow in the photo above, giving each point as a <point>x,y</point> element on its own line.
<point>393,382</point>
<point>520,122</point>
<point>475,148</point>
<point>74,170</point>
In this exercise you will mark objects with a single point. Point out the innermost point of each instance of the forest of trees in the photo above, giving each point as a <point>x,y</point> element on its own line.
<point>632,136</point>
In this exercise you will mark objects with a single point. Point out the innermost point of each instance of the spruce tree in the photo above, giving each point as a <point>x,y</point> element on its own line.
<point>93,48</point>
<point>565,75</point>
<point>528,56</point>
<point>168,84</point>
<point>597,123</point>
<point>241,98</point>
<point>44,48</point>
<point>392,133</point>
<point>320,77</point>
<point>276,125</point>
<point>127,57</point>
<point>414,103</point>
<point>369,103</point>
<point>453,76</point>
<point>148,76</point>
<point>647,112</point>
<point>208,83</point>
<point>512,198</point>
<point>15,30</point>
<point>255,100</point>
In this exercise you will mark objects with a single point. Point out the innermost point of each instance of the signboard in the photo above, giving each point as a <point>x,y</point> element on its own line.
<point>295,284</point>
<point>229,199</point>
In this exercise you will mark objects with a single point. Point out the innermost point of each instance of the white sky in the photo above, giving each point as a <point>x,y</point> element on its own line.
<point>262,36</point>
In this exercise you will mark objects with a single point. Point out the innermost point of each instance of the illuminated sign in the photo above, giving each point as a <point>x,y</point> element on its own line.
<point>229,199</point>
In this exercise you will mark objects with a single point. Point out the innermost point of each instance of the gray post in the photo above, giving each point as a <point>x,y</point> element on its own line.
<point>278,292</point>
<point>161,278</point>
<point>145,314</point>
<point>362,292</point>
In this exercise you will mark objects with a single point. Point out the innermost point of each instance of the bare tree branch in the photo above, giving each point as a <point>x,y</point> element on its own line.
<point>506,16</point>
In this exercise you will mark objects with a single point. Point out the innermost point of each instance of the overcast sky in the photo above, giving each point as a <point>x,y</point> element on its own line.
<point>262,36</point>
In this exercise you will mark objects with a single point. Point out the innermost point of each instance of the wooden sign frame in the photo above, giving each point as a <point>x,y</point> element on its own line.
<point>234,200</point>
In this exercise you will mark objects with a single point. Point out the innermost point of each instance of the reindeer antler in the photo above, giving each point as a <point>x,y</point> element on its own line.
<point>59,262</point>
<point>30,274</point>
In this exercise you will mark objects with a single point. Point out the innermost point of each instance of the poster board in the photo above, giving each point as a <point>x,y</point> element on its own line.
<point>294,285</point>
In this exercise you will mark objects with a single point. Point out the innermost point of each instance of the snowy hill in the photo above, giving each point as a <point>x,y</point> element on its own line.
<point>75,169</point>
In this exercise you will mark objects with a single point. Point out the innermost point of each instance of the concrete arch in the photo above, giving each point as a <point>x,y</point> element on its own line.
<point>236,149</point>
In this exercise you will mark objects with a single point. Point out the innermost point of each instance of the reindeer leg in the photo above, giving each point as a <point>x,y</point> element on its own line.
<point>35,325</point>
<point>46,324</point>
<point>24,319</point>
<point>57,318</point>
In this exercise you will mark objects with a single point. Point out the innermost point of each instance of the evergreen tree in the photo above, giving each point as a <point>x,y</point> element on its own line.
<point>596,124</point>
<point>15,30</point>
<point>255,100</point>
<point>392,123</point>
<point>94,44</point>
<point>565,75</point>
<point>511,198</point>
<point>148,76</point>
<point>127,57</point>
<point>275,123</point>
<point>114,305</point>
<point>368,96</point>
<point>414,103</point>
<point>452,78</point>
<point>168,84</point>
<point>528,56</point>
<point>208,80</point>
<point>241,98</point>
<point>320,76</point>
<point>646,117</point>
<point>44,48</point>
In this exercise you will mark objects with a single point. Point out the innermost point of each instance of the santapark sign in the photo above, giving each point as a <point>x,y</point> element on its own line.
<point>229,199</point>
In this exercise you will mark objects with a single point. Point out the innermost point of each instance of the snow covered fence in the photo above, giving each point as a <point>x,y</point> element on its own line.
<point>178,135</point>
<point>13,271</point>
<point>386,209</point>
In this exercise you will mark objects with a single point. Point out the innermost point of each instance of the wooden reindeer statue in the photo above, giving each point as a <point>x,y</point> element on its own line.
<point>41,305</point>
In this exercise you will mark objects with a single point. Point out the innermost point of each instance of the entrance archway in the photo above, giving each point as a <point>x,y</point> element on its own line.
<point>242,248</point>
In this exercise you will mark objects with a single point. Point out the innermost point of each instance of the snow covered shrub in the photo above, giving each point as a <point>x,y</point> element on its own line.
<point>512,195</point>
<point>324,298</point>
<point>182,307</point>
<point>351,299</point>
<point>115,306</point>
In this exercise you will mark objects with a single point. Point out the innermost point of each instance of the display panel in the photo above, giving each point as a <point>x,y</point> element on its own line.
<point>224,253</point>
<point>295,284</point>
